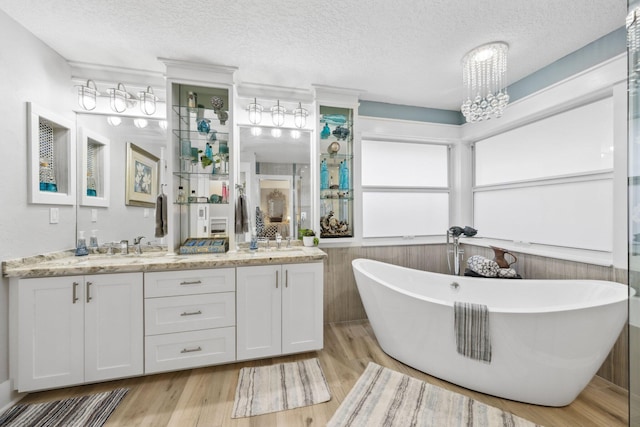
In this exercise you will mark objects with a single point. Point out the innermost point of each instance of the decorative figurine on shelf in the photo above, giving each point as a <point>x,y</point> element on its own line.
<point>334,119</point>
<point>324,175</point>
<point>208,151</point>
<point>331,226</point>
<point>213,136</point>
<point>222,116</point>
<point>326,132</point>
<point>204,127</point>
<point>217,103</point>
<point>341,132</point>
<point>334,147</point>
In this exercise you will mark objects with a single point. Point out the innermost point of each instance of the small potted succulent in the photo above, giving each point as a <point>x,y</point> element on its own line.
<point>308,237</point>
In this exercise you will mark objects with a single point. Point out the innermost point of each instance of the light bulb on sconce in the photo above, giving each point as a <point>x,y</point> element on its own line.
<point>276,133</point>
<point>256,131</point>
<point>119,98</point>
<point>147,101</point>
<point>87,95</point>
<point>278,114</point>
<point>114,120</point>
<point>300,116</point>
<point>140,123</point>
<point>255,112</point>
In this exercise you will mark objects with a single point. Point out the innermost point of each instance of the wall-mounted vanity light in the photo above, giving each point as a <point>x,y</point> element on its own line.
<point>255,112</point>
<point>119,98</point>
<point>300,116</point>
<point>278,114</point>
<point>147,101</point>
<point>87,95</point>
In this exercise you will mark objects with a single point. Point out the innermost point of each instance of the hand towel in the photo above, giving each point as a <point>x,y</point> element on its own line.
<point>471,325</point>
<point>242,219</point>
<point>161,216</point>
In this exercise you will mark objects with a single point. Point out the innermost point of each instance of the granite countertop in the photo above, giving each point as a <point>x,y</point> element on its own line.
<point>66,264</point>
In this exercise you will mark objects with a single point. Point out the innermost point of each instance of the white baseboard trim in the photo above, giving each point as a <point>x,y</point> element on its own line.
<point>8,396</point>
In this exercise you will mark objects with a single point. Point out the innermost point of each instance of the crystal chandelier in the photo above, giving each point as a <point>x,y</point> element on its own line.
<point>484,72</point>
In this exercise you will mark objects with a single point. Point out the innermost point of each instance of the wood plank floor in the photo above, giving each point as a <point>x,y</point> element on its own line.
<point>204,397</point>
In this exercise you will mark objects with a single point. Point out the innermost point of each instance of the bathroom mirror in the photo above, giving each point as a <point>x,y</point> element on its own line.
<point>275,174</point>
<point>102,176</point>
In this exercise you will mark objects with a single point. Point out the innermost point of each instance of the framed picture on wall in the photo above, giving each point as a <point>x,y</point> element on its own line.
<point>141,183</point>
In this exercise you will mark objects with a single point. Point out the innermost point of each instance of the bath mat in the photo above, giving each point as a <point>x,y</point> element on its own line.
<point>383,397</point>
<point>92,410</point>
<point>279,387</point>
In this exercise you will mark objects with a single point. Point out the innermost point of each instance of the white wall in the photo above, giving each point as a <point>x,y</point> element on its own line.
<point>30,71</point>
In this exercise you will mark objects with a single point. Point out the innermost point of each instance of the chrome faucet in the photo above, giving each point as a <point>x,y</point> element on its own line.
<point>278,240</point>
<point>136,244</point>
<point>454,233</point>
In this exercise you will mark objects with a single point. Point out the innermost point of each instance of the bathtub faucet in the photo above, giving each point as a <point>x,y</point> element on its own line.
<point>453,246</point>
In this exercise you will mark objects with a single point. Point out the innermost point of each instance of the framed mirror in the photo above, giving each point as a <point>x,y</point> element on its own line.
<point>108,211</point>
<point>275,173</point>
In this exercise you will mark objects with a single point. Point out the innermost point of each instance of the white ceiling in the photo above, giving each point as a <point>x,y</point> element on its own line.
<point>403,51</point>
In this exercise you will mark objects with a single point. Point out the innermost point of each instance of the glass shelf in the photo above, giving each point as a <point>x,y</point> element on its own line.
<point>187,115</point>
<point>211,176</point>
<point>187,135</point>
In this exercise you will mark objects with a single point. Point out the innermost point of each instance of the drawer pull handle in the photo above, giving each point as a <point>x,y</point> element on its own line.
<point>191,313</point>
<point>276,279</point>
<point>193,282</point>
<point>286,276</point>
<point>191,350</point>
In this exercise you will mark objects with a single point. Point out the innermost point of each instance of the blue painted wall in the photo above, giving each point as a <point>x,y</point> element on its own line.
<point>588,56</point>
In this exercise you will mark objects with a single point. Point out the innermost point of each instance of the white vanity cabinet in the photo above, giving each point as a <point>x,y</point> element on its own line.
<point>279,309</point>
<point>190,319</point>
<point>75,329</point>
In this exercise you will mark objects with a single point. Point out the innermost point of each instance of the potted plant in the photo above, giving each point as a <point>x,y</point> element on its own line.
<point>308,236</point>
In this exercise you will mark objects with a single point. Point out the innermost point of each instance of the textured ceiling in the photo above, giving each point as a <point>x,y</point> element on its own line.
<point>403,52</point>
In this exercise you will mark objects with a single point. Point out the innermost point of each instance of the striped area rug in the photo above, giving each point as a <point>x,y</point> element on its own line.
<point>279,387</point>
<point>82,411</point>
<point>382,397</point>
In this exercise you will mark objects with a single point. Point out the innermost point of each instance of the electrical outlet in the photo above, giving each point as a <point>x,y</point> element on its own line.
<point>54,216</point>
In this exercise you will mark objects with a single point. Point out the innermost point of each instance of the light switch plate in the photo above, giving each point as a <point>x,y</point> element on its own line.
<point>54,215</point>
<point>94,215</point>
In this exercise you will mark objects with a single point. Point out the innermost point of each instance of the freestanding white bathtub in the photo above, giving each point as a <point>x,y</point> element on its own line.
<point>548,337</point>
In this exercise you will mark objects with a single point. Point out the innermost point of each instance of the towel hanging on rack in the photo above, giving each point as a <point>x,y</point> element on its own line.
<point>161,215</point>
<point>242,219</point>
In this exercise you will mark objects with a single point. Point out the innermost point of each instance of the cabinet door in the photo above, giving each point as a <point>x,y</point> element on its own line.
<point>302,317</point>
<point>258,311</point>
<point>113,326</point>
<point>50,331</point>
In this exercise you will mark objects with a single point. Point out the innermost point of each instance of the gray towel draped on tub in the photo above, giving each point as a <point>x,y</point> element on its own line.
<point>471,324</point>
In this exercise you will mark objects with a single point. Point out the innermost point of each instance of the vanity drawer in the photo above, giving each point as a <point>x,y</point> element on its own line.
<point>189,313</point>
<point>186,350</point>
<point>189,282</point>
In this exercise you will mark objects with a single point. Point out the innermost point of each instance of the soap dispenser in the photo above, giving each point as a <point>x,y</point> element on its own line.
<point>81,248</point>
<point>93,239</point>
